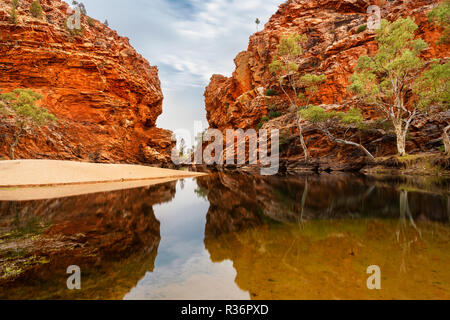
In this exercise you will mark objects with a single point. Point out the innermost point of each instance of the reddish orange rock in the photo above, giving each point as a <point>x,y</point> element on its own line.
<point>106,96</point>
<point>333,48</point>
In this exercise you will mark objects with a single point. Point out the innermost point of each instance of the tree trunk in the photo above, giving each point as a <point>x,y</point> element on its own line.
<point>342,141</point>
<point>302,139</point>
<point>13,146</point>
<point>401,139</point>
<point>358,145</point>
<point>446,139</point>
<point>15,142</point>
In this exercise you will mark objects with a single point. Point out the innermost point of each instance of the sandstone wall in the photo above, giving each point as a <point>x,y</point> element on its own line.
<point>106,96</point>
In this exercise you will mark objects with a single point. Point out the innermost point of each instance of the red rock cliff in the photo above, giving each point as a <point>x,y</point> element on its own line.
<point>105,95</point>
<point>333,48</point>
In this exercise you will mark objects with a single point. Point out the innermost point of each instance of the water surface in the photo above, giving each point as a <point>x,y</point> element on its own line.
<point>234,236</point>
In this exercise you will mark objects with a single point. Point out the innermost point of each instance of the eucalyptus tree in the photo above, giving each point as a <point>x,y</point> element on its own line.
<point>20,105</point>
<point>386,79</point>
<point>284,66</point>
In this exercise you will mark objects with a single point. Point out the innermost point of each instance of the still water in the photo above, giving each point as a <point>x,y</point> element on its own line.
<point>234,236</point>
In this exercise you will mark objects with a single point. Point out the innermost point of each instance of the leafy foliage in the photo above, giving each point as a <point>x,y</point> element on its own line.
<point>284,65</point>
<point>397,57</point>
<point>325,120</point>
<point>14,4</point>
<point>311,84</point>
<point>270,93</point>
<point>317,114</point>
<point>22,103</point>
<point>441,16</point>
<point>36,9</point>
<point>434,86</point>
<point>385,79</point>
<point>362,28</point>
<point>91,22</point>
<point>13,16</point>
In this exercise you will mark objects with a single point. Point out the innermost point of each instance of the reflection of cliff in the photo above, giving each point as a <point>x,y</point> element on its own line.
<point>328,260</point>
<point>323,251</point>
<point>240,201</point>
<point>113,237</point>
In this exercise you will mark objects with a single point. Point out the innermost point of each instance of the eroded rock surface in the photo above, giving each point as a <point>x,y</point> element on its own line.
<point>333,48</point>
<point>106,96</point>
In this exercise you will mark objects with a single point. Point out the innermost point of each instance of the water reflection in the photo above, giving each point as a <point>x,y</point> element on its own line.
<point>234,236</point>
<point>183,268</point>
<point>113,237</point>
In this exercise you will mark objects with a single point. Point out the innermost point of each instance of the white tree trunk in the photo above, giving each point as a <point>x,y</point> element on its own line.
<point>446,139</point>
<point>302,139</point>
<point>350,143</point>
<point>401,139</point>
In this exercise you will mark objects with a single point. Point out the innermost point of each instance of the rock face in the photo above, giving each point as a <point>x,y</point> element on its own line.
<point>333,48</point>
<point>105,95</point>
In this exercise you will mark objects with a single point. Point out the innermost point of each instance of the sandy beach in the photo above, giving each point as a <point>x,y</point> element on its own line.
<point>23,180</point>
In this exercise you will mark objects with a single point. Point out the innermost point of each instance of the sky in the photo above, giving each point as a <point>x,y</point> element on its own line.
<point>189,41</point>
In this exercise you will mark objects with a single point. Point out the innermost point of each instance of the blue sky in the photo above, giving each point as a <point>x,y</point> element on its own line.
<point>189,40</point>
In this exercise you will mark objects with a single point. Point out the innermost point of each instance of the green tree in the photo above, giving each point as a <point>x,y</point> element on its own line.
<point>285,68</point>
<point>36,9</point>
<point>13,16</point>
<point>15,4</point>
<point>385,79</point>
<point>326,121</point>
<point>257,21</point>
<point>433,89</point>
<point>21,104</point>
<point>441,16</point>
<point>284,65</point>
<point>310,82</point>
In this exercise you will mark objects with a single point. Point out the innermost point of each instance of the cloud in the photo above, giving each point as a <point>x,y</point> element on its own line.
<point>189,40</point>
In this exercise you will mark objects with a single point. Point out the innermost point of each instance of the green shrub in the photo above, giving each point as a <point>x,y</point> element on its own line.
<point>13,16</point>
<point>271,93</point>
<point>15,4</point>
<point>441,16</point>
<point>274,114</point>
<point>265,119</point>
<point>36,9</point>
<point>91,22</point>
<point>362,28</point>
<point>285,139</point>
<point>21,103</point>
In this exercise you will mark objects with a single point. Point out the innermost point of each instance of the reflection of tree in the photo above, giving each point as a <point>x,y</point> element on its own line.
<point>448,207</point>
<point>201,193</point>
<point>316,196</point>
<point>304,196</point>
<point>402,234</point>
